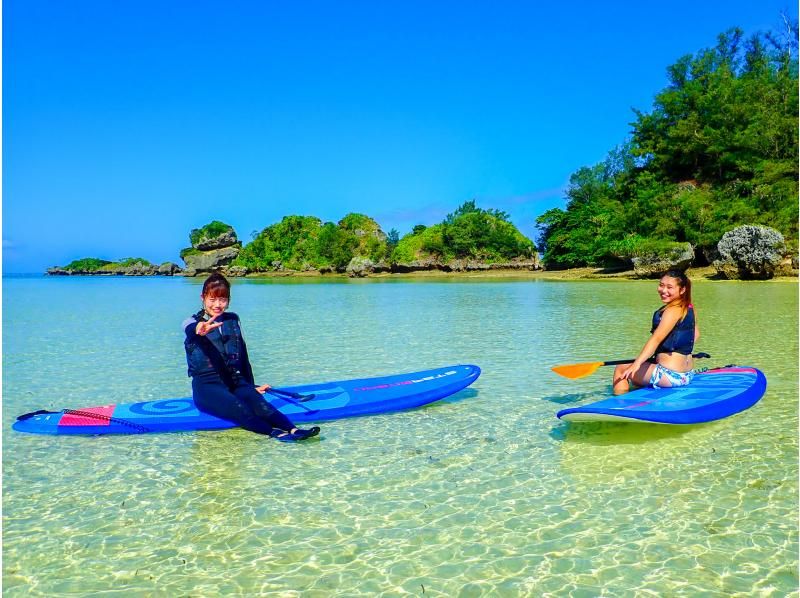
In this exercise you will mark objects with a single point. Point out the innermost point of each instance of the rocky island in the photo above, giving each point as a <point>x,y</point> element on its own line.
<point>470,240</point>
<point>132,266</point>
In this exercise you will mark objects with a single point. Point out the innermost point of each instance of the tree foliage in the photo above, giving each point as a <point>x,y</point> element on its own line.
<point>718,149</point>
<point>209,231</point>
<point>87,264</point>
<point>93,264</point>
<point>468,233</point>
<point>304,242</point>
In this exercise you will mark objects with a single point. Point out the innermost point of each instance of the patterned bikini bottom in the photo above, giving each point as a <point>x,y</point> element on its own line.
<point>675,378</point>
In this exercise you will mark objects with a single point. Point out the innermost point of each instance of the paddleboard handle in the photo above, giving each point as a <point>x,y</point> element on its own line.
<point>24,416</point>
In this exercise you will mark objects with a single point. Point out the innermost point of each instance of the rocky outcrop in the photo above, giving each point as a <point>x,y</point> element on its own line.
<point>221,241</point>
<point>431,263</point>
<point>125,268</point>
<point>787,267</point>
<point>214,247</point>
<point>363,266</point>
<point>750,252</point>
<point>203,262</point>
<point>477,266</point>
<point>678,257</point>
<point>420,265</point>
<point>169,269</point>
<point>235,271</point>
<point>134,269</point>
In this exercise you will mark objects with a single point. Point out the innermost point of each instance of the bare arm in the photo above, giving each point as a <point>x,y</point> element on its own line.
<point>669,318</point>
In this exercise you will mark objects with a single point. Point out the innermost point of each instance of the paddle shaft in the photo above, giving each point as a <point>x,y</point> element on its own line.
<point>579,370</point>
<point>289,399</point>
<point>621,361</point>
<point>294,395</point>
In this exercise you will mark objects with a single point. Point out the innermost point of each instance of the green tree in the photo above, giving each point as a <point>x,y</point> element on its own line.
<point>718,149</point>
<point>392,239</point>
<point>301,242</point>
<point>292,242</point>
<point>87,264</point>
<point>213,229</point>
<point>469,232</point>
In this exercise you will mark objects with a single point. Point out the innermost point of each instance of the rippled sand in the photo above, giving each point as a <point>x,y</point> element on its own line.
<point>482,494</point>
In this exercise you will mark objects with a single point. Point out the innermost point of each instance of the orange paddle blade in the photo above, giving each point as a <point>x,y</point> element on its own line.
<point>577,370</point>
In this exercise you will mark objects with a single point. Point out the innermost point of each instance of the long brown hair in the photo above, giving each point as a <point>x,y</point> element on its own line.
<point>684,283</point>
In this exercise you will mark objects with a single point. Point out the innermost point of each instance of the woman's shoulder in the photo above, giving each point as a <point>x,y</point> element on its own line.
<point>190,321</point>
<point>671,311</point>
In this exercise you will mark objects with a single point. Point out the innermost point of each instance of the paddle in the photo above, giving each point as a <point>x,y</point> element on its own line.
<point>294,395</point>
<point>286,397</point>
<point>579,370</point>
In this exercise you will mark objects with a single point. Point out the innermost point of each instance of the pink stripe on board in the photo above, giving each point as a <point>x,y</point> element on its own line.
<point>72,419</point>
<point>729,370</point>
<point>403,383</point>
<point>635,405</point>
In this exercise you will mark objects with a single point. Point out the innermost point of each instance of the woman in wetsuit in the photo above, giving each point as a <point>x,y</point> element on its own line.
<point>223,384</point>
<point>666,359</point>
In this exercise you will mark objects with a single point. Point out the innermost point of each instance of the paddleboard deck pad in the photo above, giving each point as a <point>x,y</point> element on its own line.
<point>331,400</point>
<point>712,395</point>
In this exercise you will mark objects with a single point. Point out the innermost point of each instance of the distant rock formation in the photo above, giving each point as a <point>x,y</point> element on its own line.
<point>678,257</point>
<point>751,252</point>
<point>126,267</point>
<point>221,241</point>
<point>431,263</point>
<point>214,247</point>
<point>204,262</point>
<point>363,266</point>
<point>169,269</point>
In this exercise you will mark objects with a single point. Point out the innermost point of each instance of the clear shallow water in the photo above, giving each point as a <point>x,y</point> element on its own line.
<point>482,494</point>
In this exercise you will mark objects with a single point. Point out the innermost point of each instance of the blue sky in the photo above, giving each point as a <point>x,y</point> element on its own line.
<point>128,123</point>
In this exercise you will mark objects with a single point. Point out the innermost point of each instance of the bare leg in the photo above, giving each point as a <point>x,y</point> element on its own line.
<point>621,386</point>
<point>641,377</point>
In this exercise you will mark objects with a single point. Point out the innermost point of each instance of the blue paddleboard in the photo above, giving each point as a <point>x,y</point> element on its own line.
<point>712,395</point>
<point>331,400</point>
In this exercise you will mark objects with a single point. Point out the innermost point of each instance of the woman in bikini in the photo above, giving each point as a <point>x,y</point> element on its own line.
<point>666,359</point>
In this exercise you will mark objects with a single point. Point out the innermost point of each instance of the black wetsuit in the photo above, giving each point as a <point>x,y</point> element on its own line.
<point>222,379</point>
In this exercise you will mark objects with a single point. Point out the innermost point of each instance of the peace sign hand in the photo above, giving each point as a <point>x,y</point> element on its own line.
<point>204,327</point>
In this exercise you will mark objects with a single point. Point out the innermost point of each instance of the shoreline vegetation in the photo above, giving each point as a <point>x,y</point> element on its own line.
<point>701,273</point>
<point>707,181</point>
